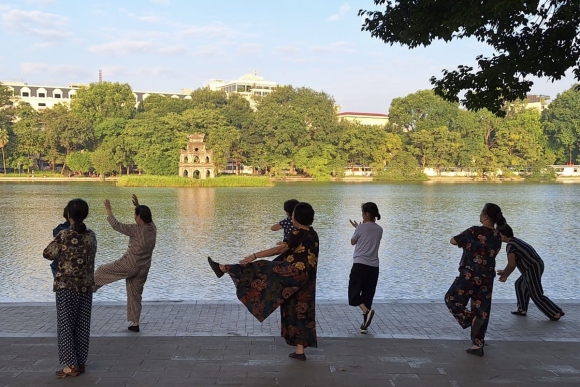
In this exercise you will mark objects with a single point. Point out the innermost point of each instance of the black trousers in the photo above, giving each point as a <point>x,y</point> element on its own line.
<point>362,284</point>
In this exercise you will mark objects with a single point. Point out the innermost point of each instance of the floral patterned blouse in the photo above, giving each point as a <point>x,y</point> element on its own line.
<point>303,250</point>
<point>480,247</point>
<point>76,262</point>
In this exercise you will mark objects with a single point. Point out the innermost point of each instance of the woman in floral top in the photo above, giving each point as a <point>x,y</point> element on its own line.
<point>75,249</point>
<point>474,284</point>
<point>289,283</point>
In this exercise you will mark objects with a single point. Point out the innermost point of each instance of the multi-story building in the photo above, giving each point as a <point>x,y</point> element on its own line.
<point>250,86</point>
<point>538,101</point>
<point>43,97</point>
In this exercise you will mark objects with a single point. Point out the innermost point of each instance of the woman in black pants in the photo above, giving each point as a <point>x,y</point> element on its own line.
<point>364,274</point>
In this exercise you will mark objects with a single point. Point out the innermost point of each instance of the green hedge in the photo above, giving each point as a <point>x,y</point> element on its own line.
<point>175,181</point>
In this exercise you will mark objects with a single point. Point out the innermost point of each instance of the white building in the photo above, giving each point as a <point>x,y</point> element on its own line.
<point>377,119</point>
<point>250,86</point>
<point>44,97</point>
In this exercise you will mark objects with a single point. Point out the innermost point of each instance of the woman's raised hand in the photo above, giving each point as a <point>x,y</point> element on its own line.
<point>353,222</point>
<point>108,206</point>
<point>135,200</point>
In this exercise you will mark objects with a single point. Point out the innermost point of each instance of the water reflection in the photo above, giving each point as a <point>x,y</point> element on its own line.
<point>417,260</point>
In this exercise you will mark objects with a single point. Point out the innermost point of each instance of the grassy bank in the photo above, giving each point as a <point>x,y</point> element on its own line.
<point>175,181</point>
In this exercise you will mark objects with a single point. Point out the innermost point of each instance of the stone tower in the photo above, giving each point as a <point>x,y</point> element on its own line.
<point>196,162</point>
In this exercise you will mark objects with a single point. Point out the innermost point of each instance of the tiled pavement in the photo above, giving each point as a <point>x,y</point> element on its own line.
<point>208,343</point>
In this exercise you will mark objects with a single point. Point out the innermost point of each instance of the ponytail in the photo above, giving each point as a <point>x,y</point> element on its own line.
<point>78,210</point>
<point>79,226</point>
<point>494,212</point>
<point>372,209</point>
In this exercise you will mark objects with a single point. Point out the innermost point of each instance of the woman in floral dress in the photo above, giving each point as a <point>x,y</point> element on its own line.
<point>289,283</point>
<point>474,284</point>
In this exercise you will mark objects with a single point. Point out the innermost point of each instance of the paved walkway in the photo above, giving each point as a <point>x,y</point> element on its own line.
<point>208,344</point>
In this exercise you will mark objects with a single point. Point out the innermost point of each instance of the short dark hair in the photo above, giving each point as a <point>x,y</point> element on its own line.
<point>303,214</point>
<point>144,212</point>
<point>289,205</point>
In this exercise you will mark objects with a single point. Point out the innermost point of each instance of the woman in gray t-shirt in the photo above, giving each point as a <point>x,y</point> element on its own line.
<point>364,274</point>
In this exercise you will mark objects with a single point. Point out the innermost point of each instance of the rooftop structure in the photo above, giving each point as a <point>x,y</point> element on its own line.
<point>365,118</point>
<point>250,86</point>
<point>44,97</point>
<point>538,101</point>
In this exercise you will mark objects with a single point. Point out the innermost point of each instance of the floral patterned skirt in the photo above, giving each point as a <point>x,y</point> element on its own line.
<point>263,286</point>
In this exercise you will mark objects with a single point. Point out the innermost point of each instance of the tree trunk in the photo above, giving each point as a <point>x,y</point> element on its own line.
<point>3,160</point>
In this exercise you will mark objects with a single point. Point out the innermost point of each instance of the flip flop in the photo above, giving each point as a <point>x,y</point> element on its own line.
<point>519,313</point>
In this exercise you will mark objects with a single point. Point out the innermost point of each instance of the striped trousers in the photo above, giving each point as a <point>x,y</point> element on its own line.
<point>134,277</point>
<point>529,285</point>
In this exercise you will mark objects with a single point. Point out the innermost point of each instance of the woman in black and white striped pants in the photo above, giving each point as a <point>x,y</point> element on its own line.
<point>524,257</point>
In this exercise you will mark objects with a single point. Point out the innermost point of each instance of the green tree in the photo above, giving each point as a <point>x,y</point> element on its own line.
<point>4,140</point>
<point>561,122</point>
<point>28,135</point>
<point>531,38</point>
<point>403,166</point>
<point>204,98</point>
<point>437,147</point>
<point>103,162</point>
<point>154,144</point>
<point>110,128</point>
<point>161,105</point>
<point>520,139</point>
<point>66,131</point>
<point>288,120</point>
<point>420,110</point>
<point>79,162</point>
<point>100,101</point>
<point>365,144</point>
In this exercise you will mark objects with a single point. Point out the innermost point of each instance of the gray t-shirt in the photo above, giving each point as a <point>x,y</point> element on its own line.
<point>368,238</point>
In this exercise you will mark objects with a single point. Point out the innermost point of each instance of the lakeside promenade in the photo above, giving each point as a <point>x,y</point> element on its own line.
<point>410,343</point>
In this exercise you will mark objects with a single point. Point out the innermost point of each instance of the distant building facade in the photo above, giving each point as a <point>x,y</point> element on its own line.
<point>377,119</point>
<point>538,101</point>
<point>249,86</point>
<point>45,97</point>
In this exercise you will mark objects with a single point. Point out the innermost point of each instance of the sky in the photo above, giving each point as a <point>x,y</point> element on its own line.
<point>167,45</point>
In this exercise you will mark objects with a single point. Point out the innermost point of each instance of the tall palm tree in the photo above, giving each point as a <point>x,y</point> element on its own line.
<point>4,140</point>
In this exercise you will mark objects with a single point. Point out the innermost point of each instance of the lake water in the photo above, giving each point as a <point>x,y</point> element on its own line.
<point>417,261</point>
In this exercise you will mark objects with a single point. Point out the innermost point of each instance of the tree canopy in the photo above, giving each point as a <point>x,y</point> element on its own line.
<point>531,38</point>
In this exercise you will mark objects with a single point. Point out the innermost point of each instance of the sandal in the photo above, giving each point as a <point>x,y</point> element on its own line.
<point>518,312</point>
<point>72,371</point>
<point>82,368</point>
<point>558,318</point>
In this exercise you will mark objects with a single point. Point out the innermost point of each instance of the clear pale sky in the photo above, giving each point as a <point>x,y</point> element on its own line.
<point>167,45</point>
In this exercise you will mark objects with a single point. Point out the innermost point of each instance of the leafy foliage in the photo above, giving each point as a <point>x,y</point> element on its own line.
<point>530,38</point>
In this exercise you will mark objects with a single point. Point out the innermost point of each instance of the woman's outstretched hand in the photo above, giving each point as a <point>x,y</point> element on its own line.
<point>135,200</point>
<point>353,222</point>
<point>108,207</point>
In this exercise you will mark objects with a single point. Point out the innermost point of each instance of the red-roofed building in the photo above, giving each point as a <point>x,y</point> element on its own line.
<point>365,118</point>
